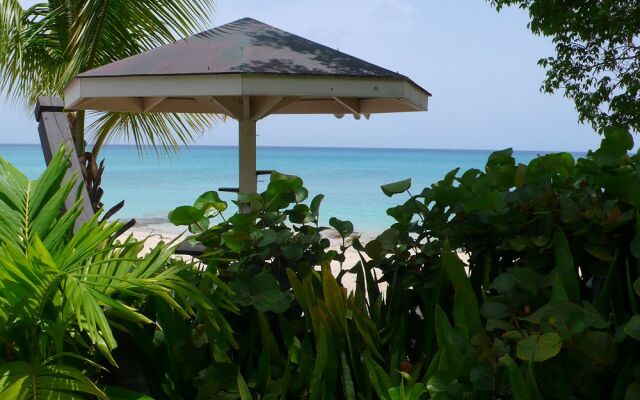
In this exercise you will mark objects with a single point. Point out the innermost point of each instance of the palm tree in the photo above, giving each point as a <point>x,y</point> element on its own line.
<point>43,47</point>
<point>62,294</point>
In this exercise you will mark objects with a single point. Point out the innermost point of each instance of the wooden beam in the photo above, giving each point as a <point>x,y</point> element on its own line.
<point>54,132</point>
<point>226,104</point>
<point>48,104</point>
<point>352,105</point>
<point>84,104</point>
<point>264,106</point>
<point>149,103</point>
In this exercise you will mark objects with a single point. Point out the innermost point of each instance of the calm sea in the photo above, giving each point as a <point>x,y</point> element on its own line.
<point>349,178</point>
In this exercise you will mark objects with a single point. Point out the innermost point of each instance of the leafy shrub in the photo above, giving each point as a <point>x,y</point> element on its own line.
<point>550,306</point>
<point>63,295</point>
<point>297,333</point>
<point>544,305</point>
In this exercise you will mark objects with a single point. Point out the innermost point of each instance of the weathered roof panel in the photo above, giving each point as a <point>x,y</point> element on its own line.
<point>244,46</point>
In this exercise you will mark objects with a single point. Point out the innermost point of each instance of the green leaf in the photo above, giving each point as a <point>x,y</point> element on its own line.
<point>347,381</point>
<point>292,252</point>
<point>458,277</point>
<point>632,392</point>
<point>598,346</point>
<point>635,246</point>
<point>118,393</point>
<point>636,287</point>
<point>565,266</point>
<point>315,206</point>
<point>210,202</point>
<point>495,310</point>
<point>519,385</point>
<point>396,187</point>
<point>344,228</point>
<point>378,377</point>
<point>186,215</point>
<point>539,347</point>
<point>632,328</point>
<point>263,292</point>
<point>243,389</point>
<point>483,202</point>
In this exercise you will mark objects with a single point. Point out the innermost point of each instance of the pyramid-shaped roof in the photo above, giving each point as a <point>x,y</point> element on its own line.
<point>245,69</point>
<point>245,46</point>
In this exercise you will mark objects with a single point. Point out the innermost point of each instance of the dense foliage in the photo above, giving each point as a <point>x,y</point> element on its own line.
<point>546,306</point>
<point>597,61</point>
<point>65,297</point>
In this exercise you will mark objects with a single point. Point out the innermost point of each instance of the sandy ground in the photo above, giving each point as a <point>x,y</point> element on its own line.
<point>154,233</point>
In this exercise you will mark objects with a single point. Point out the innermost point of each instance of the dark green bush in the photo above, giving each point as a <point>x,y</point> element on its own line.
<point>296,332</point>
<point>550,307</point>
<point>545,305</point>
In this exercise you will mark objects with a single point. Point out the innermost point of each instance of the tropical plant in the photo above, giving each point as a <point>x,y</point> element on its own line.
<point>65,294</point>
<point>298,332</point>
<point>597,60</point>
<point>44,46</point>
<point>548,305</point>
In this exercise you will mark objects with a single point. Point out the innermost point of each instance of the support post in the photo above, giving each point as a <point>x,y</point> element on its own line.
<point>247,147</point>
<point>54,132</point>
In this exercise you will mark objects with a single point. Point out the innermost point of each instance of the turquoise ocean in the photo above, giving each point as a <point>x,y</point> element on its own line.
<point>350,178</point>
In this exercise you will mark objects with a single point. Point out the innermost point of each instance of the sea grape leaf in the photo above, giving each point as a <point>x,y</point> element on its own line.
<point>315,205</point>
<point>292,252</point>
<point>396,187</point>
<point>344,228</point>
<point>186,215</point>
<point>539,347</point>
<point>210,201</point>
<point>262,291</point>
<point>495,310</point>
<point>593,318</point>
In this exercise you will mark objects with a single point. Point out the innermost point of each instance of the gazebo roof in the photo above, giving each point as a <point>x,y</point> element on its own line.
<point>245,69</point>
<point>244,46</point>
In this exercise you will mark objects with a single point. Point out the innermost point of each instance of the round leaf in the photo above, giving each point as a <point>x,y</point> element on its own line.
<point>185,215</point>
<point>210,200</point>
<point>396,187</point>
<point>539,347</point>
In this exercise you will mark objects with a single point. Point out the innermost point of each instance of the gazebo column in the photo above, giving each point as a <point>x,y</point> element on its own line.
<point>247,147</point>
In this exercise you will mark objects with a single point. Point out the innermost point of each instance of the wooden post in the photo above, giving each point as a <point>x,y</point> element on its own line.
<point>247,148</point>
<point>55,131</point>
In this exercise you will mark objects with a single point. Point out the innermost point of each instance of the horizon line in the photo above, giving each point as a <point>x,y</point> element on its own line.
<point>186,146</point>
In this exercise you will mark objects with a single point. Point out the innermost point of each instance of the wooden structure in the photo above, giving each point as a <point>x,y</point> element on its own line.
<point>246,70</point>
<point>55,131</point>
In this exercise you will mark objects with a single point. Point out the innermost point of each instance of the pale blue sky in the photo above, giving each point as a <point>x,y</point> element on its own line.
<point>479,65</point>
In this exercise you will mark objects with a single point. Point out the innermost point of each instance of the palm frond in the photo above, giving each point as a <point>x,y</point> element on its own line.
<point>80,281</point>
<point>29,208</point>
<point>159,131</point>
<point>20,380</point>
